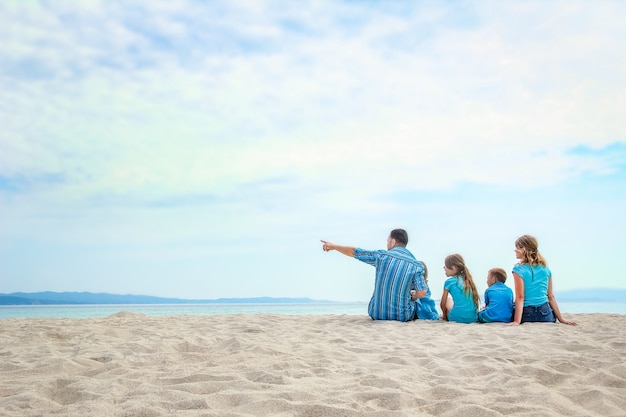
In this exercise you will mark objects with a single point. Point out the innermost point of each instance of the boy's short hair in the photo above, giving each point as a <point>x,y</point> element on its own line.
<point>499,274</point>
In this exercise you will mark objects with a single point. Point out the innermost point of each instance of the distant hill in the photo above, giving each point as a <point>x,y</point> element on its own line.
<point>56,298</point>
<point>52,298</point>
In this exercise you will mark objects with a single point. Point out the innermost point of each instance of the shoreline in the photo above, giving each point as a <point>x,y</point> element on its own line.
<point>353,308</point>
<point>317,365</point>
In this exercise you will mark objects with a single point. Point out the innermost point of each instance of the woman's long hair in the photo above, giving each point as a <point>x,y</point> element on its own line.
<point>456,261</point>
<point>531,250</point>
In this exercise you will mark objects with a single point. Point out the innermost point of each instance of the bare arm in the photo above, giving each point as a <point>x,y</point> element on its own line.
<point>346,250</point>
<point>555,306</point>
<point>519,300</point>
<point>443,304</point>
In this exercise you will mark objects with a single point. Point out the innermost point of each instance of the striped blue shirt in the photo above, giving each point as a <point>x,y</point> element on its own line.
<point>397,273</point>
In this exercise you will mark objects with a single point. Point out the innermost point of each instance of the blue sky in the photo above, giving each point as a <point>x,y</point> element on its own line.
<point>202,149</point>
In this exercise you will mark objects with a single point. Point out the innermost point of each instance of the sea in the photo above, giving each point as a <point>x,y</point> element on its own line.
<point>356,309</point>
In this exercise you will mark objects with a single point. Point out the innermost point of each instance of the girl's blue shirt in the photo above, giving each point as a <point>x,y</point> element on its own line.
<point>464,310</point>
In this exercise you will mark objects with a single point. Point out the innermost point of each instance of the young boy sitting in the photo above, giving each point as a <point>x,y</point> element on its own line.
<point>499,304</point>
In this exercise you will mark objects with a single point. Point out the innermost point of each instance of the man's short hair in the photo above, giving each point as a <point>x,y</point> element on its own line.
<point>400,235</point>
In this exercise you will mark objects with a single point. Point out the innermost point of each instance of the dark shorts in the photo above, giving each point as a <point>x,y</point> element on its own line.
<point>542,313</point>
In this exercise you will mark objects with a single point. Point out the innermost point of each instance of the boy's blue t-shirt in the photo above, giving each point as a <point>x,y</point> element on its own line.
<point>536,280</point>
<point>464,310</point>
<point>499,304</point>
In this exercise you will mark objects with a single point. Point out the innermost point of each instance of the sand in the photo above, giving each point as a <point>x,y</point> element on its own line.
<point>279,365</point>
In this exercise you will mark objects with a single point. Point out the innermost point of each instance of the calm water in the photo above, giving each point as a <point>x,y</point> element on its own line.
<point>85,311</point>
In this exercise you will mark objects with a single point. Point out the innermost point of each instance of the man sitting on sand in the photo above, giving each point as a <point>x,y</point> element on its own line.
<point>397,273</point>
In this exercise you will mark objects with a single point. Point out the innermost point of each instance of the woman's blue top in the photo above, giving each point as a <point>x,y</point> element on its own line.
<point>536,280</point>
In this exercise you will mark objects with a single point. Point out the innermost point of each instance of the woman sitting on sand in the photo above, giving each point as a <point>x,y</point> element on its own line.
<point>534,300</point>
<point>464,301</point>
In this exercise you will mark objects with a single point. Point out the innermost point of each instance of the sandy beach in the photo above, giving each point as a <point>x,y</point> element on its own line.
<point>279,365</point>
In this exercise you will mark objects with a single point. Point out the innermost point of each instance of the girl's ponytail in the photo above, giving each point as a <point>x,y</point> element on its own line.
<point>469,288</point>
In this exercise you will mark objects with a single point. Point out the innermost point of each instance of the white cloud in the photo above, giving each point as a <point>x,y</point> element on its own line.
<point>177,120</point>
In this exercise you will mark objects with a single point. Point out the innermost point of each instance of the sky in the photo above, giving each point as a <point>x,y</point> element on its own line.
<point>199,149</point>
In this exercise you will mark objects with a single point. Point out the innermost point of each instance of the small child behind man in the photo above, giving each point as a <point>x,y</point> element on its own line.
<point>499,305</point>
<point>425,308</point>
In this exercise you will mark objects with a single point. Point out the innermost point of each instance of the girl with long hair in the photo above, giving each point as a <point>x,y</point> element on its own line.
<point>460,300</point>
